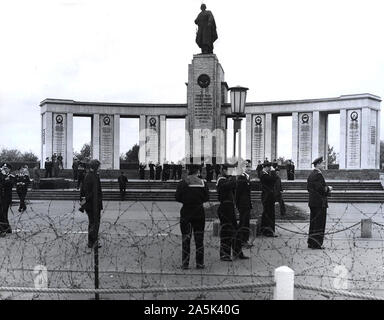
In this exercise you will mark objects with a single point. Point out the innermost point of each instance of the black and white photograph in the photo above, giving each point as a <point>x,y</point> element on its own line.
<point>211,152</point>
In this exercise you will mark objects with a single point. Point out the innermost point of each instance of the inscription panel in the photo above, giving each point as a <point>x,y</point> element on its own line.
<point>106,141</point>
<point>59,134</point>
<point>305,140</point>
<point>353,139</point>
<point>258,132</point>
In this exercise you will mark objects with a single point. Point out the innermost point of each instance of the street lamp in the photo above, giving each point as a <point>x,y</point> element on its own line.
<point>238,97</point>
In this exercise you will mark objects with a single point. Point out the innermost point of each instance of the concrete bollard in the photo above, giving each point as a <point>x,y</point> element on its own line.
<point>366,228</point>
<point>284,279</point>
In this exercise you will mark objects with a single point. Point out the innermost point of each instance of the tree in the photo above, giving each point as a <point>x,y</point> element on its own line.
<point>84,153</point>
<point>14,155</point>
<point>331,155</point>
<point>132,155</point>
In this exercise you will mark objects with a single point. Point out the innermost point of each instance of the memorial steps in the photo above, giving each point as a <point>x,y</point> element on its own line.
<point>344,191</point>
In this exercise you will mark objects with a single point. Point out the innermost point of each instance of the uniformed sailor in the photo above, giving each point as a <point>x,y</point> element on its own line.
<point>192,192</point>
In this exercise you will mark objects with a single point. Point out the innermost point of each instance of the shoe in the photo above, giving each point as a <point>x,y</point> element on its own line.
<point>200,266</point>
<point>270,235</point>
<point>316,247</point>
<point>9,231</point>
<point>3,234</point>
<point>241,256</point>
<point>184,267</point>
<point>225,259</point>
<point>247,245</point>
<point>93,246</point>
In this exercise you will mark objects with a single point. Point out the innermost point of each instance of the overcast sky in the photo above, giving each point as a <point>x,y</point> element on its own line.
<point>139,51</point>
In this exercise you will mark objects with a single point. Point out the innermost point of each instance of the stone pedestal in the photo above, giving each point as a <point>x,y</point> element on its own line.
<point>207,91</point>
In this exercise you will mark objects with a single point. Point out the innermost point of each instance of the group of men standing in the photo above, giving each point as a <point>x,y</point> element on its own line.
<point>53,165</point>
<point>235,192</point>
<point>165,172</point>
<point>7,180</point>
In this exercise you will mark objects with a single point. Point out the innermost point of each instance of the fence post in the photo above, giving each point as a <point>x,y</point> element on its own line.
<point>366,228</point>
<point>284,279</point>
<point>96,260</point>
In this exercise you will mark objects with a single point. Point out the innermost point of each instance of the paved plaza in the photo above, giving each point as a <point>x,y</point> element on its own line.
<point>141,248</point>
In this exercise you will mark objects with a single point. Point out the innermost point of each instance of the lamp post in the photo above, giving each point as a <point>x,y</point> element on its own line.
<point>238,98</point>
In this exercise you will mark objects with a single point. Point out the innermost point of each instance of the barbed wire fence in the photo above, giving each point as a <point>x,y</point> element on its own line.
<point>140,256</point>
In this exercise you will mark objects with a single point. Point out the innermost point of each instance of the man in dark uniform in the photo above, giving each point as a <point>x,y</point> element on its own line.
<point>158,170</point>
<point>318,204</point>
<point>142,170</point>
<point>179,170</point>
<point>48,168</point>
<point>229,236</point>
<point>92,202</point>
<point>268,179</point>
<point>217,170</point>
<point>274,164</point>
<point>209,170</point>
<point>259,168</point>
<point>166,171</point>
<point>80,175</point>
<point>244,204</point>
<point>278,193</point>
<point>22,182</point>
<point>122,180</point>
<point>174,171</point>
<point>6,183</point>
<point>151,166</point>
<point>290,170</point>
<point>75,168</point>
<point>192,192</point>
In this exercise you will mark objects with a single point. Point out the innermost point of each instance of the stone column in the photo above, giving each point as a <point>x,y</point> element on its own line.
<point>142,137</point>
<point>315,135</point>
<point>163,138</point>
<point>96,136</point>
<point>68,159</point>
<point>116,142</point>
<point>378,164</point>
<point>343,139</point>
<point>274,137</point>
<point>47,136</point>
<point>248,137</point>
<point>268,136</point>
<point>295,136</point>
<point>187,141</point>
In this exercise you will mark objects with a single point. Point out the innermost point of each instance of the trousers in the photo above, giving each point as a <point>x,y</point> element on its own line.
<point>317,224</point>
<point>229,236</point>
<point>192,225</point>
<point>93,227</point>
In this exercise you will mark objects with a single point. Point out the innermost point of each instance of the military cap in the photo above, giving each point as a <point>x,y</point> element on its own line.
<point>267,164</point>
<point>94,164</point>
<point>317,160</point>
<point>6,165</point>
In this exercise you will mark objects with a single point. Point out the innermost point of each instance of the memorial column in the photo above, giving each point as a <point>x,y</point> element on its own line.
<point>295,136</point>
<point>248,139</point>
<point>69,156</point>
<point>315,135</point>
<point>268,136</point>
<point>343,139</point>
<point>163,139</point>
<point>142,139</point>
<point>96,136</point>
<point>116,142</point>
